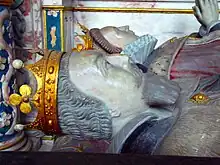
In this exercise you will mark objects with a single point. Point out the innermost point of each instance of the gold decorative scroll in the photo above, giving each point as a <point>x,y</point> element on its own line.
<point>62,30</point>
<point>132,10</point>
<point>122,9</point>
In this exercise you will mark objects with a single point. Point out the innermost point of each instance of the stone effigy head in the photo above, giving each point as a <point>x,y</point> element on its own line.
<point>106,88</point>
<point>112,39</point>
<point>122,40</point>
<point>90,95</point>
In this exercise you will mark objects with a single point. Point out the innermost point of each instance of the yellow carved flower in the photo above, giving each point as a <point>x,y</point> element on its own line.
<point>22,100</point>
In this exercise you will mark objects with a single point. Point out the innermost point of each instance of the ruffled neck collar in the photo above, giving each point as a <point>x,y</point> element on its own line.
<point>140,49</point>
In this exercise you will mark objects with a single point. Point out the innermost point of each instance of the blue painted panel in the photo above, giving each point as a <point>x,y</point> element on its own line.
<point>53,27</point>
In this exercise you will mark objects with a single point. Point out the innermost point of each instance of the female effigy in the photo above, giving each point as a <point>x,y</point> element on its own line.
<point>102,94</point>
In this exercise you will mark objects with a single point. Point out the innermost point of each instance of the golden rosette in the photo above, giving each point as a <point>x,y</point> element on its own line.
<point>22,100</point>
<point>199,98</point>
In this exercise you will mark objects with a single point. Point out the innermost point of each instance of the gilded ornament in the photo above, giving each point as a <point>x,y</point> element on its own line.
<point>25,90</point>
<point>36,68</point>
<point>83,28</point>
<point>88,44</point>
<point>25,108</point>
<point>199,98</point>
<point>36,98</point>
<point>48,98</point>
<point>15,99</point>
<point>51,69</point>
<point>79,47</point>
<point>22,100</point>
<point>46,73</point>
<point>50,122</point>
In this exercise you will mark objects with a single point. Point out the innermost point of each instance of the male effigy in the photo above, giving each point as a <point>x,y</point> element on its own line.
<point>90,95</point>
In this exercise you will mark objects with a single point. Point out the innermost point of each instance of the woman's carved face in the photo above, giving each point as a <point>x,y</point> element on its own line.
<point>119,37</point>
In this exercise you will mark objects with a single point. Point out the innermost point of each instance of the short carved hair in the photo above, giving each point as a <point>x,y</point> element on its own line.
<point>82,116</point>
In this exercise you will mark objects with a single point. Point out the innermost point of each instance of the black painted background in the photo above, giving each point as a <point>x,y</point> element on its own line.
<point>98,159</point>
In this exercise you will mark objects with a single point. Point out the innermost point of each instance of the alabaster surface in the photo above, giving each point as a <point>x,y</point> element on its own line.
<point>98,94</point>
<point>113,40</point>
<point>188,61</point>
<point>191,133</point>
<point>105,98</point>
<point>167,25</point>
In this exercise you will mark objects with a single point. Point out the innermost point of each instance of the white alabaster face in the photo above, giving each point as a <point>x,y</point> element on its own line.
<point>119,36</point>
<point>117,84</point>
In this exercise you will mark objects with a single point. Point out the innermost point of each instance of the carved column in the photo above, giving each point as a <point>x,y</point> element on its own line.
<point>12,138</point>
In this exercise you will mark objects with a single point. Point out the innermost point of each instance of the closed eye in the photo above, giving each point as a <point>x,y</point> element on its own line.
<point>103,65</point>
<point>107,64</point>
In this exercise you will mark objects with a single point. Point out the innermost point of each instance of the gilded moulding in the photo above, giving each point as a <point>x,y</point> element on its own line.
<point>45,28</point>
<point>62,29</point>
<point>44,99</point>
<point>87,40</point>
<point>121,9</point>
<point>103,9</point>
<point>132,10</point>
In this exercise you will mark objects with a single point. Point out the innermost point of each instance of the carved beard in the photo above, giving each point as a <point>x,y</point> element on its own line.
<point>102,42</point>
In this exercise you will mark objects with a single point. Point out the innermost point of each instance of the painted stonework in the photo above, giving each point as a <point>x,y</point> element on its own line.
<point>33,36</point>
<point>167,25</point>
<point>162,26</point>
<point>53,28</point>
<point>7,113</point>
